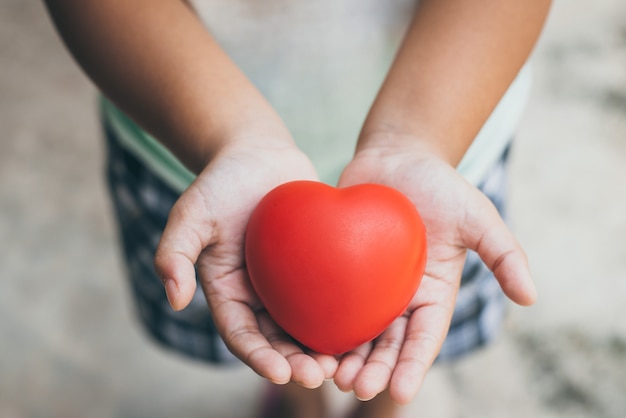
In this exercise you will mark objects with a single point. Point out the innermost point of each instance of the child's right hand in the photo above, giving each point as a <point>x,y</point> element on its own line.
<point>206,228</point>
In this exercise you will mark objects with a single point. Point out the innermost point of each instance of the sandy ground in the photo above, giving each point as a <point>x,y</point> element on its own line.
<point>68,343</point>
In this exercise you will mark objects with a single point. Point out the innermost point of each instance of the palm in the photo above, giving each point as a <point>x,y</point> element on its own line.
<point>457,217</point>
<point>206,228</point>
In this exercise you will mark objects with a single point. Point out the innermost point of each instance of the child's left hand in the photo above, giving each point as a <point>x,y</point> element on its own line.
<point>457,217</point>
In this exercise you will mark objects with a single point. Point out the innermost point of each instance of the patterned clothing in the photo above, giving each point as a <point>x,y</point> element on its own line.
<point>142,202</point>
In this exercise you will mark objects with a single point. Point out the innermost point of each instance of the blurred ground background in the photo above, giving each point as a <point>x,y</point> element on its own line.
<point>68,343</point>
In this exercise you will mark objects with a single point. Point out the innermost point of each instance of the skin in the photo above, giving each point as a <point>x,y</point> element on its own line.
<point>457,60</point>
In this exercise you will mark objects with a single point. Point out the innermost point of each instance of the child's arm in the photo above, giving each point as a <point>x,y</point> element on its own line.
<point>155,60</point>
<point>457,60</point>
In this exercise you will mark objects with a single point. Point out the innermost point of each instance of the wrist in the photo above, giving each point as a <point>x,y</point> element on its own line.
<point>385,143</point>
<point>257,143</point>
<point>265,134</point>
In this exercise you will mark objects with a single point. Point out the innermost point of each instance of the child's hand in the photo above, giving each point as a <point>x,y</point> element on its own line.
<point>457,217</point>
<point>206,227</point>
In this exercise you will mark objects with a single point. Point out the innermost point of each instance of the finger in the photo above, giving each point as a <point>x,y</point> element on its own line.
<point>487,234</point>
<point>237,324</point>
<point>305,370</point>
<point>350,365</point>
<point>375,375</point>
<point>425,333</point>
<point>328,363</point>
<point>179,248</point>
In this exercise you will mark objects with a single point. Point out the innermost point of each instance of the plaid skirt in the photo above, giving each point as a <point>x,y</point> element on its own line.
<point>142,203</point>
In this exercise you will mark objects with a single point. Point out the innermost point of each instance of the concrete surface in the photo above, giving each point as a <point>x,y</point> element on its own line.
<point>69,346</point>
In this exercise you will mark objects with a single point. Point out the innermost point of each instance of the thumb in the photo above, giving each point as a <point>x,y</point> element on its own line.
<point>179,248</point>
<point>487,234</point>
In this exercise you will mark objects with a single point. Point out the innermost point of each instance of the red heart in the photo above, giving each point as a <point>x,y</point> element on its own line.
<point>335,266</point>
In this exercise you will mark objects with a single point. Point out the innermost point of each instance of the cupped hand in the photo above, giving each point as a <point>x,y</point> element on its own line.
<point>457,217</point>
<point>206,229</point>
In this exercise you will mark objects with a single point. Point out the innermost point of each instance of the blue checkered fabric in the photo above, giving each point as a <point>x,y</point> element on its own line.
<point>142,202</point>
<point>480,304</point>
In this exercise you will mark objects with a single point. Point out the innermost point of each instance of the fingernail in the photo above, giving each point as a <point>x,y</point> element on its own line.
<point>533,291</point>
<point>171,291</point>
<point>532,287</point>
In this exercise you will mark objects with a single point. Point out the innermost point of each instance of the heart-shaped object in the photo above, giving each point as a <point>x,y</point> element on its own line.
<point>334,267</point>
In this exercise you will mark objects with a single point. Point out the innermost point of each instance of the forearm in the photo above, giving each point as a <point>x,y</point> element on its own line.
<point>155,60</point>
<point>456,62</point>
